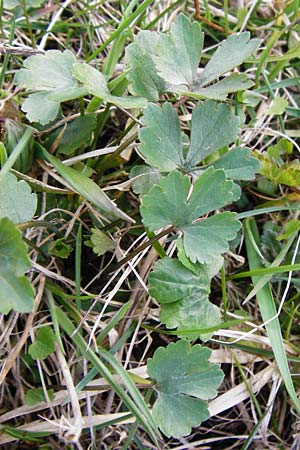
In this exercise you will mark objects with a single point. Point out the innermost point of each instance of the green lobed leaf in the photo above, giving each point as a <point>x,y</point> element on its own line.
<point>190,314</point>
<point>170,281</point>
<point>39,108</point>
<point>184,379</point>
<point>238,164</point>
<point>214,125</point>
<point>43,345</point>
<point>167,204</point>
<point>178,53</point>
<point>183,296</point>
<point>95,83</point>
<point>13,250</point>
<point>15,290</point>
<point>101,243</point>
<point>47,74</point>
<point>16,293</point>
<point>17,202</point>
<point>85,187</point>
<point>142,75</point>
<point>219,91</point>
<point>161,144</point>
<point>231,53</point>
<point>205,240</point>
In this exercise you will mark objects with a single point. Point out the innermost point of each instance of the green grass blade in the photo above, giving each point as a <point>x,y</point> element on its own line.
<point>136,404</point>
<point>268,311</point>
<point>17,151</point>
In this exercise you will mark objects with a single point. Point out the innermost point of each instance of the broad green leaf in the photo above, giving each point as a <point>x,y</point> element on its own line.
<point>39,108</point>
<point>213,126</point>
<point>231,53</point>
<point>238,164</point>
<point>15,290</point>
<point>205,240</point>
<point>16,293</point>
<point>77,133</point>
<point>167,204</point>
<point>160,137</point>
<point>47,74</point>
<point>43,345</point>
<point>278,106</point>
<point>178,53</point>
<point>171,282</point>
<point>190,314</point>
<point>212,269</point>
<point>219,91</point>
<point>143,178</point>
<point>34,396</point>
<point>101,243</point>
<point>95,83</point>
<point>185,379</point>
<point>13,250</point>
<point>85,187</point>
<point>183,296</point>
<point>168,62</point>
<point>142,75</point>
<point>17,202</point>
<point>211,191</point>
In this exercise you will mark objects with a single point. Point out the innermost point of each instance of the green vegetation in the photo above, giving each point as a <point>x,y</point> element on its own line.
<point>149,224</point>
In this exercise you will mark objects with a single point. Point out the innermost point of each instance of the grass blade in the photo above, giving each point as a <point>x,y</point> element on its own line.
<point>268,311</point>
<point>136,404</point>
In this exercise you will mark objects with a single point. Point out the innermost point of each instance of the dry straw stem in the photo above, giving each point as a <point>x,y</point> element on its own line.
<point>229,399</point>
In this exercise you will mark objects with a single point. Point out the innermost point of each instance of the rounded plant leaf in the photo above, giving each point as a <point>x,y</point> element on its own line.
<point>184,379</point>
<point>160,137</point>
<point>171,281</point>
<point>17,202</point>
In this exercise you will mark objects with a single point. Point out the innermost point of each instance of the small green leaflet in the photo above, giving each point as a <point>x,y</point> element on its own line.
<point>100,242</point>
<point>50,76</point>
<point>43,345</point>
<point>35,396</point>
<point>169,203</point>
<point>169,63</point>
<point>85,187</point>
<point>230,53</point>
<point>214,126</point>
<point>185,380</point>
<point>238,164</point>
<point>142,75</point>
<point>15,290</point>
<point>179,52</point>
<point>17,202</point>
<point>95,83</point>
<point>183,296</point>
